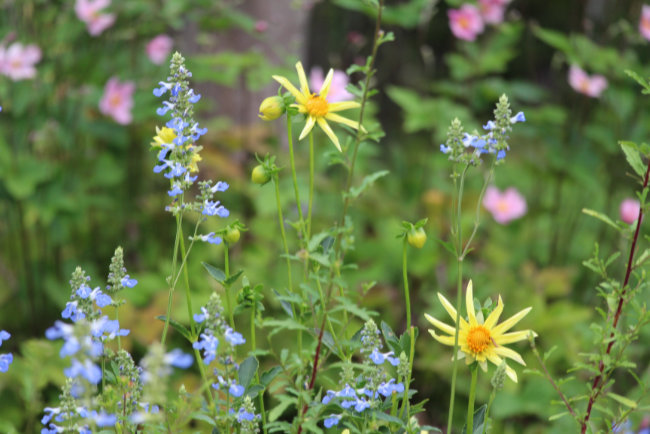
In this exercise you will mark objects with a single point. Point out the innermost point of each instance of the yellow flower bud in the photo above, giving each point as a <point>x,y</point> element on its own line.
<point>416,238</point>
<point>232,235</point>
<point>260,175</point>
<point>271,108</point>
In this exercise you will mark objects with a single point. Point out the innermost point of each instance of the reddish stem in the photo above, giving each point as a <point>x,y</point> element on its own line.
<point>596,387</point>
<point>312,381</point>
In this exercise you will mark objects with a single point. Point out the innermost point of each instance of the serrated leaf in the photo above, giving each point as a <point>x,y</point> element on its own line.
<point>367,182</point>
<point>247,371</point>
<point>315,240</point>
<point>177,326</point>
<point>633,157</point>
<point>216,273</point>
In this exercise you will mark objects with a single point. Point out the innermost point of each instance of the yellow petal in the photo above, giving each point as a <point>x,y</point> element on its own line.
<point>441,325</point>
<point>510,322</point>
<point>511,354</point>
<point>493,318</point>
<point>446,340</point>
<point>304,84</point>
<point>511,373</point>
<point>325,127</point>
<point>508,338</point>
<point>451,310</point>
<point>291,88</point>
<point>345,121</point>
<point>308,127</point>
<point>325,88</point>
<point>483,365</point>
<point>469,303</point>
<point>343,105</point>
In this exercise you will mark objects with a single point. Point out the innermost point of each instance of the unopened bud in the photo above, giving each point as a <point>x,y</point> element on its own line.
<point>499,377</point>
<point>416,238</point>
<point>271,108</point>
<point>260,175</point>
<point>232,235</point>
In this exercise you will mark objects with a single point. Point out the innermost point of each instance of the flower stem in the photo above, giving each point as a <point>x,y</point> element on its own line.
<point>179,220</point>
<point>276,182</point>
<point>405,401</point>
<point>459,291</point>
<point>406,285</point>
<point>186,277</point>
<point>257,373</point>
<point>311,184</point>
<point>472,397</point>
<point>226,286</point>
<point>293,174</point>
<point>487,411</point>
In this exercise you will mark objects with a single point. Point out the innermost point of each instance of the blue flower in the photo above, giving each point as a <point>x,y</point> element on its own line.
<point>179,359</point>
<point>243,415</point>
<point>236,390</point>
<point>347,392</point>
<point>219,186</point>
<point>328,396</point>
<point>5,361</point>
<point>387,388</point>
<point>101,299</point>
<point>445,149</point>
<point>212,208</point>
<point>176,190</point>
<point>71,311</point>
<point>84,291</point>
<point>128,282</point>
<point>4,335</point>
<point>107,326</point>
<point>235,338</point>
<point>489,126</point>
<point>519,117</point>
<point>501,154</point>
<point>200,317</point>
<point>361,405</point>
<point>332,420</point>
<point>88,370</point>
<point>209,345</point>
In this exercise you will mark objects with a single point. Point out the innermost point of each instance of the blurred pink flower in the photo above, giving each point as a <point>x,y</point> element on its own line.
<point>158,48</point>
<point>629,210</point>
<point>117,100</point>
<point>89,11</point>
<point>591,86</point>
<point>17,61</point>
<point>492,11</point>
<point>506,206</point>
<point>261,26</point>
<point>466,23</point>
<point>337,88</point>
<point>644,23</point>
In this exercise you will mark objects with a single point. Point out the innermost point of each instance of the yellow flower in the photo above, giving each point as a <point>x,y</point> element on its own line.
<point>481,340</point>
<point>316,107</point>
<point>164,136</point>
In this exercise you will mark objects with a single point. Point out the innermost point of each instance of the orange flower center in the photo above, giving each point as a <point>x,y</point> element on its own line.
<point>317,106</point>
<point>478,339</point>
<point>115,101</point>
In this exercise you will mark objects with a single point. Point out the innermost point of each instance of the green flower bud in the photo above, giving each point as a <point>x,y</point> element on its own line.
<point>232,235</point>
<point>260,175</point>
<point>416,238</point>
<point>271,108</point>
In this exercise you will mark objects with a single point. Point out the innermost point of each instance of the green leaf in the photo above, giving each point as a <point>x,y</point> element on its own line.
<point>367,182</point>
<point>216,273</point>
<point>232,279</point>
<point>283,324</point>
<point>315,240</point>
<point>387,417</point>
<point>479,420</point>
<point>600,216</point>
<point>558,416</point>
<point>247,371</point>
<point>203,417</point>
<point>269,375</point>
<point>636,77</point>
<point>280,408</point>
<point>254,390</point>
<point>623,400</point>
<point>178,327</point>
<point>633,157</point>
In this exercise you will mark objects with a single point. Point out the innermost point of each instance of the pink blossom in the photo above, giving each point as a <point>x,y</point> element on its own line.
<point>117,100</point>
<point>492,11</point>
<point>591,86</point>
<point>644,23</point>
<point>506,206</point>
<point>629,210</point>
<point>158,48</point>
<point>261,26</point>
<point>466,23</point>
<point>89,11</point>
<point>17,61</point>
<point>337,88</point>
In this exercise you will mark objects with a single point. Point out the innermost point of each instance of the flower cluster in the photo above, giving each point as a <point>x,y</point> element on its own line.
<point>178,153</point>
<point>7,358</point>
<point>371,388</point>
<point>469,21</point>
<point>494,141</point>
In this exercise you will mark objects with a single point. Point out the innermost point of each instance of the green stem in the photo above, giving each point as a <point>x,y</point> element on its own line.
<point>477,218</point>
<point>311,184</point>
<point>276,181</point>
<point>405,402</point>
<point>487,411</point>
<point>459,291</point>
<point>295,178</point>
<point>226,287</point>
<point>168,313</point>
<point>406,285</point>
<point>186,278</point>
<point>472,397</point>
<point>257,373</point>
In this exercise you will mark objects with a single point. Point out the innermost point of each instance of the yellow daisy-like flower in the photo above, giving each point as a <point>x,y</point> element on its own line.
<point>316,107</point>
<point>482,340</point>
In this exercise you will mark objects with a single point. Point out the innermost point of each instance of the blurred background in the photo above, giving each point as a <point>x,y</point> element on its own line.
<point>78,116</point>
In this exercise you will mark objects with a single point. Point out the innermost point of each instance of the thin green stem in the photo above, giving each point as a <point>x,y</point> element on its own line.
<point>226,287</point>
<point>407,385</point>
<point>257,373</point>
<point>295,178</point>
<point>459,290</point>
<point>311,184</point>
<point>186,278</point>
<point>487,411</point>
<point>477,218</point>
<point>179,220</point>
<point>276,182</point>
<point>472,398</point>
<point>406,284</point>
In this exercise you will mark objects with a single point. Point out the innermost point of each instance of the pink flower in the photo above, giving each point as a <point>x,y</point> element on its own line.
<point>159,48</point>
<point>644,23</point>
<point>466,23</point>
<point>506,206</point>
<point>261,26</point>
<point>89,11</point>
<point>629,210</point>
<point>337,88</point>
<point>591,86</point>
<point>17,62</point>
<point>492,11</point>
<point>117,100</point>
